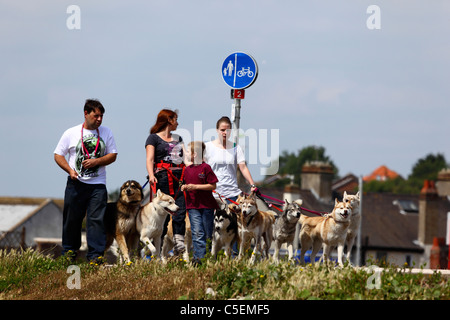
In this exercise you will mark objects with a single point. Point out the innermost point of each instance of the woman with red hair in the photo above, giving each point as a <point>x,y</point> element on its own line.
<point>165,167</point>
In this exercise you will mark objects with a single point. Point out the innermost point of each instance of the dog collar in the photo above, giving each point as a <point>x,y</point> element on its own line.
<point>337,221</point>
<point>250,220</point>
<point>131,202</point>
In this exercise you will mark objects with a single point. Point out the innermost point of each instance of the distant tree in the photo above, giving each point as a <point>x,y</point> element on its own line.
<point>113,196</point>
<point>291,163</point>
<point>426,168</point>
<point>397,185</point>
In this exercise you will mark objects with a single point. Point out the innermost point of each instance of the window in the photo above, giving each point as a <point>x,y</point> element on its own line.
<point>381,256</point>
<point>407,206</point>
<point>408,260</point>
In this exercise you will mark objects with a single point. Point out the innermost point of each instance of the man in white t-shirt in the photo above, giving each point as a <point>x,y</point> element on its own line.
<point>90,148</point>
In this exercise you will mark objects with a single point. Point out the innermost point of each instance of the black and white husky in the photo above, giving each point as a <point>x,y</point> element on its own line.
<point>284,227</point>
<point>225,232</point>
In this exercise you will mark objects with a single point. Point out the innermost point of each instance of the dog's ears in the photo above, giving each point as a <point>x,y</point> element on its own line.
<point>222,205</point>
<point>159,193</point>
<point>287,202</point>
<point>357,194</point>
<point>336,201</point>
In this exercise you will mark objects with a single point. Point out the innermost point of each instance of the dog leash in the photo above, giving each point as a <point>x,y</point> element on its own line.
<point>153,191</point>
<point>221,196</point>
<point>270,205</point>
<point>319,213</point>
<point>170,176</point>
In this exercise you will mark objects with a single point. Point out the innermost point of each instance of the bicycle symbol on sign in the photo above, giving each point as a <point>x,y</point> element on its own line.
<point>244,72</point>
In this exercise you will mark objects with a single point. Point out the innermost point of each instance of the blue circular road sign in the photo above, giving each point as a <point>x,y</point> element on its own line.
<point>239,70</point>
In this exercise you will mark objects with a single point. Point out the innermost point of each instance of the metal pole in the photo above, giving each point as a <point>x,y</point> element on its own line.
<point>237,118</point>
<point>448,238</point>
<point>358,244</point>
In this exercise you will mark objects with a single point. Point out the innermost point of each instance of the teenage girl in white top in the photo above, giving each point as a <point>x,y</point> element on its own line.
<point>224,158</point>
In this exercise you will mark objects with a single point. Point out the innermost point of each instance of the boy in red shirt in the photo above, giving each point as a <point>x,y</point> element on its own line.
<point>199,182</point>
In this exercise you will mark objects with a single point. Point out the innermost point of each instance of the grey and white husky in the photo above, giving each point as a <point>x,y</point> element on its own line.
<point>284,228</point>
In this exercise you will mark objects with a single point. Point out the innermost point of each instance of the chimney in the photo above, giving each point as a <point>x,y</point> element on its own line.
<point>291,192</point>
<point>443,182</point>
<point>428,213</point>
<point>317,177</point>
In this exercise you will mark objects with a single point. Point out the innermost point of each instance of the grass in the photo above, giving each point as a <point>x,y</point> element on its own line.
<point>30,275</point>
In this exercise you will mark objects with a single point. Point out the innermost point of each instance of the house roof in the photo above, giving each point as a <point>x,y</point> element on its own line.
<point>381,173</point>
<point>347,183</point>
<point>12,214</point>
<point>14,211</point>
<point>386,224</point>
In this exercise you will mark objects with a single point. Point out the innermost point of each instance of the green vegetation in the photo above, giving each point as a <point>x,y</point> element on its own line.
<point>292,163</point>
<point>426,168</point>
<point>31,275</point>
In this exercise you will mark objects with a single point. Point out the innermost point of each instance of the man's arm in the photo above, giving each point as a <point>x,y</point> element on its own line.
<point>62,163</point>
<point>102,161</point>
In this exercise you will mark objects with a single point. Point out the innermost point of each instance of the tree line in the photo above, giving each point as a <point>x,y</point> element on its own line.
<point>426,168</point>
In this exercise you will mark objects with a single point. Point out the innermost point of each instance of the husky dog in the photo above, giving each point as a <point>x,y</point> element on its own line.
<point>284,227</point>
<point>329,231</point>
<point>150,220</point>
<point>120,219</point>
<point>235,206</point>
<point>225,232</point>
<point>355,220</point>
<point>255,224</point>
<point>168,242</point>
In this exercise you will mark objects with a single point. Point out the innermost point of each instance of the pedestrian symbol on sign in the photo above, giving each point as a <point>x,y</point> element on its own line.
<point>229,68</point>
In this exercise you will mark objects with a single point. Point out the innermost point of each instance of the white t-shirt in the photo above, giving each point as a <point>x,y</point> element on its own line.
<point>224,164</point>
<point>70,143</point>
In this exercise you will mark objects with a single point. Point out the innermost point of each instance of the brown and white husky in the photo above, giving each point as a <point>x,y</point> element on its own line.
<point>355,221</point>
<point>329,231</point>
<point>254,224</point>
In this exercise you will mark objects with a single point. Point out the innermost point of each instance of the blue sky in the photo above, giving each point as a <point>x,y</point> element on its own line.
<point>370,97</point>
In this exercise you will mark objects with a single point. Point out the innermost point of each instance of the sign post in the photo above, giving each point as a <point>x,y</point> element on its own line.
<point>237,120</point>
<point>448,238</point>
<point>239,71</point>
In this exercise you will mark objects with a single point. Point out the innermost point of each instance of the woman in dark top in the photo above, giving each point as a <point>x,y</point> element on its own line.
<point>165,167</point>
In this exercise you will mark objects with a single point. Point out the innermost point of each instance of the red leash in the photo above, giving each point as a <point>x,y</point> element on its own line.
<point>319,213</point>
<point>221,196</point>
